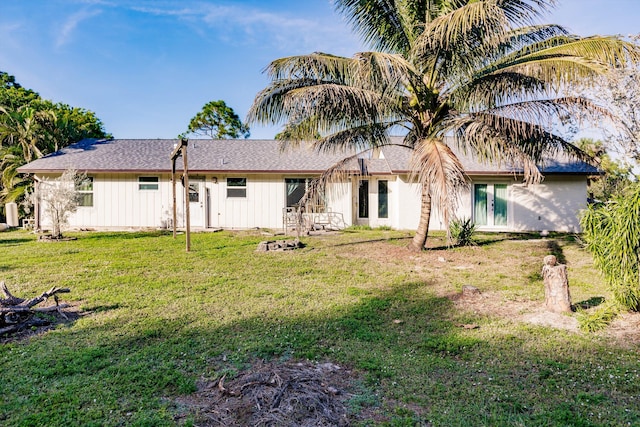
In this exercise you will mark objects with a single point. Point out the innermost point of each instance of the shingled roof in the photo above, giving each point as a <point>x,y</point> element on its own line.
<point>243,156</point>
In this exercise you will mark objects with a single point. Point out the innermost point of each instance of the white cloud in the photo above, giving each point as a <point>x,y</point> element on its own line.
<point>239,24</point>
<point>72,22</point>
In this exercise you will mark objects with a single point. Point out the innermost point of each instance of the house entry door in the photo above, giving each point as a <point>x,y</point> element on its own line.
<point>197,202</point>
<point>490,205</point>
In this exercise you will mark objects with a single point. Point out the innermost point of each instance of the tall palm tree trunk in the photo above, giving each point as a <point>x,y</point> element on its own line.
<point>420,238</point>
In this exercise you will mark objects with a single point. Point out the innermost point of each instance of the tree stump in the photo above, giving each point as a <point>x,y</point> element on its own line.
<point>556,286</point>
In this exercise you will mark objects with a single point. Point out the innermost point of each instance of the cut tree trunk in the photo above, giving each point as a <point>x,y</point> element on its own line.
<point>17,314</point>
<point>556,286</point>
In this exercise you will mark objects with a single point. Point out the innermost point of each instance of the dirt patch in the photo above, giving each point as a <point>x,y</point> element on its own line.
<point>624,330</point>
<point>493,304</point>
<point>292,393</point>
<point>435,263</point>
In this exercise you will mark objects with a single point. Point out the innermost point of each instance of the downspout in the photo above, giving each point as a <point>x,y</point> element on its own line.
<point>36,205</point>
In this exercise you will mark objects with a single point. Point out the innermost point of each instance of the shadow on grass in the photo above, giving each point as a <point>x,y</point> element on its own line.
<point>100,308</point>
<point>376,240</point>
<point>591,302</point>
<point>406,343</point>
<point>109,235</point>
<point>554,247</point>
<point>143,357</point>
<point>16,240</point>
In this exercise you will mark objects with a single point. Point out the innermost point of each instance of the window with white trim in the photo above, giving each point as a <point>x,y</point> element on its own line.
<point>84,190</point>
<point>148,183</point>
<point>237,187</point>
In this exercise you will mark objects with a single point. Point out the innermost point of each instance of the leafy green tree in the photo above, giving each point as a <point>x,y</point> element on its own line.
<point>481,76</point>
<point>218,121</point>
<point>612,234</point>
<point>31,127</point>
<point>64,125</point>
<point>12,94</point>
<point>616,174</point>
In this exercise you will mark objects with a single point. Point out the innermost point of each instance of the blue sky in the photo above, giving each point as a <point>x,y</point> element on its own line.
<point>145,67</point>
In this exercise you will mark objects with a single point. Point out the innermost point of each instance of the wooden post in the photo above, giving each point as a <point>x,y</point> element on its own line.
<point>186,192</point>
<point>556,286</point>
<point>178,151</point>
<point>173,185</point>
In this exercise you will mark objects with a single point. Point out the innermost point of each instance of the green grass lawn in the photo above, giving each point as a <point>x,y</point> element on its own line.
<point>157,319</point>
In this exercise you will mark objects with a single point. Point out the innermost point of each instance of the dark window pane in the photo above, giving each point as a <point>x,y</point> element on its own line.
<point>383,199</point>
<point>85,185</point>
<point>194,194</point>
<point>148,183</point>
<point>236,192</point>
<point>295,190</point>
<point>236,182</point>
<point>363,199</point>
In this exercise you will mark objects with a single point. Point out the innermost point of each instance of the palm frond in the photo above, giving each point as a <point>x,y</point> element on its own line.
<point>339,172</point>
<point>316,66</point>
<point>367,84</point>
<point>379,23</point>
<point>502,140</point>
<point>359,138</point>
<point>382,71</point>
<point>567,59</point>
<point>435,165</point>
<point>489,91</point>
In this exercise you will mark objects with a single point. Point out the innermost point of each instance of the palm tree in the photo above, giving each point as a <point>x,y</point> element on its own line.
<point>477,76</point>
<point>21,127</point>
<point>13,185</point>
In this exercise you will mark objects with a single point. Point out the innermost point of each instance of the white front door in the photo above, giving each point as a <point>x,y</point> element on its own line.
<point>197,202</point>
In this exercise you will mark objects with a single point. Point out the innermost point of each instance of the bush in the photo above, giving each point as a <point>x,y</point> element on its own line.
<point>612,235</point>
<point>597,319</point>
<point>462,231</point>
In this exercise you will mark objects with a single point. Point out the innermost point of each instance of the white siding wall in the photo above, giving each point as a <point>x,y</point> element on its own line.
<point>406,204</point>
<point>340,203</point>
<point>262,206</point>
<point>265,201</point>
<point>119,204</point>
<point>553,205</point>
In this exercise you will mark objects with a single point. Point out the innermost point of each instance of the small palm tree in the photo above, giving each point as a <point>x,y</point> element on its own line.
<point>477,76</point>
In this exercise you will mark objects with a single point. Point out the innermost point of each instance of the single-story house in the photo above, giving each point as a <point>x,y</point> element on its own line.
<point>242,184</point>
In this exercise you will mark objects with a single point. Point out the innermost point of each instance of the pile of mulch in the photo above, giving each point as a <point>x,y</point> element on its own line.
<point>275,394</point>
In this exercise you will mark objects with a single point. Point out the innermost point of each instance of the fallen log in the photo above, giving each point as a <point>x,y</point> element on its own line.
<point>17,313</point>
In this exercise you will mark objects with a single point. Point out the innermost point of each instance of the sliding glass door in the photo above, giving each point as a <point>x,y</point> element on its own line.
<point>490,204</point>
